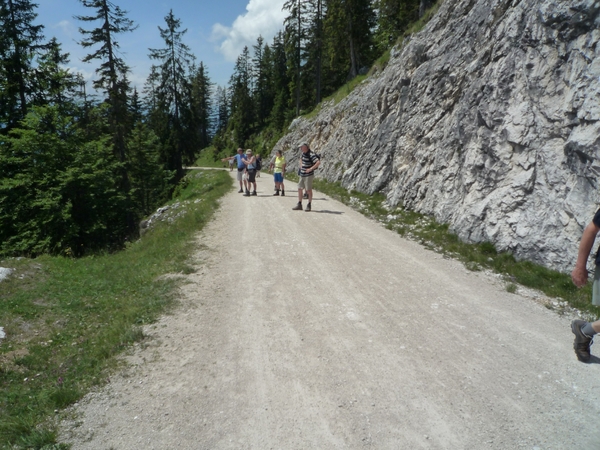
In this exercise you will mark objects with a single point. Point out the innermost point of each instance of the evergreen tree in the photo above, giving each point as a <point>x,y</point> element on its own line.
<point>113,70</point>
<point>295,42</point>
<point>280,87</point>
<point>222,106</point>
<point>394,16</point>
<point>149,181</point>
<point>175,60</point>
<point>241,121</point>
<point>55,85</point>
<point>348,31</point>
<point>58,190</point>
<point>262,95</point>
<point>19,40</point>
<point>201,106</point>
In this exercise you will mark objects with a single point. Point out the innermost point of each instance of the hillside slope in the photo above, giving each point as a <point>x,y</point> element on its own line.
<point>487,119</point>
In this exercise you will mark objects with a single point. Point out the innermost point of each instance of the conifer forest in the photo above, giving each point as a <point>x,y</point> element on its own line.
<point>82,163</point>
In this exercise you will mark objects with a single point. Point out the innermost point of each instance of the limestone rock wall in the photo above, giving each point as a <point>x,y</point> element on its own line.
<point>487,119</point>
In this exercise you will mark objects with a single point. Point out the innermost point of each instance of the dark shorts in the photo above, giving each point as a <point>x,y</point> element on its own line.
<point>251,175</point>
<point>278,177</point>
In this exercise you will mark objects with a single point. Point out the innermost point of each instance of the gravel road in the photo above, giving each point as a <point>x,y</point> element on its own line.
<point>324,330</point>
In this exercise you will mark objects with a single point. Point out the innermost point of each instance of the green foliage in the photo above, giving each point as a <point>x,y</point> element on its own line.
<point>58,190</point>
<point>19,38</point>
<point>149,180</point>
<point>171,99</point>
<point>66,319</point>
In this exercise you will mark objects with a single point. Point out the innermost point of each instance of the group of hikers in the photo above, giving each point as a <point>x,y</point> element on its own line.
<point>249,166</point>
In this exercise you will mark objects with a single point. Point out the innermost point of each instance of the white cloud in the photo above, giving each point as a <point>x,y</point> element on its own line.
<point>67,27</point>
<point>263,18</point>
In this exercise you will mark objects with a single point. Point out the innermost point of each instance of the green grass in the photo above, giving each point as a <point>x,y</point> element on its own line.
<point>66,319</point>
<point>207,159</point>
<point>438,238</point>
<point>337,96</point>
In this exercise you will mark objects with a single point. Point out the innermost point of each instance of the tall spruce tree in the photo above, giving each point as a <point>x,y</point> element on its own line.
<point>175,60</point>
<point>241,121</point>
<point>19,40</point>
<point>55,84</point>
<point>201,105</point>
<point>348,31</point>
<point>295,40</point>
<point>394,17</point>
<point>280,86</point>
<point>112,71</point>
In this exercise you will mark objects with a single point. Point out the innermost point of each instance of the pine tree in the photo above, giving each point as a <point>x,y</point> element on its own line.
<point>262,95</point>
<point>201,106</point>
<point>295,42</point>
<point>55,85</point>
<point>175,60</point>
<point>112,78</point>
<point>113,70</point>
<point>241,121</point>
<point>19,40</point>
<point>348,31</point>
<point>394,16</point>
<point>280,88</point>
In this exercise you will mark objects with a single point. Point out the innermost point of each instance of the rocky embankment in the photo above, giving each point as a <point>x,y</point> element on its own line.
<point>487,119</point>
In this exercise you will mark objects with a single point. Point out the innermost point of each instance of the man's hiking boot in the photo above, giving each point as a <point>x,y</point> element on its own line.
<point>247,194</point>
<point>282,193</point>
<point>240,191</point>
<point>253,193</point>
<point>298,207</point>
<point>582,342</point>
<point>276,193</point>
<point>307,208</point>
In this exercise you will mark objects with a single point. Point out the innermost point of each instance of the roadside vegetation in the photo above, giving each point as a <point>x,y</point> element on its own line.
<point>482,256</point>
<point>67,319</point>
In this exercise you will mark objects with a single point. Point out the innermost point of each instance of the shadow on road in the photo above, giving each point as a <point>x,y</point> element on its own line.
<point>326,211</point>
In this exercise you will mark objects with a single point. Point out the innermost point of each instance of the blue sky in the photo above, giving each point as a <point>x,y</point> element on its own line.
<point>217,31</point>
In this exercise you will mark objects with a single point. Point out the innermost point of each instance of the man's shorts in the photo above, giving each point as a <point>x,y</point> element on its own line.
<point>596,287</point>
<point>240,174</point>
<point>252,176</point>
<point>278,177</point>
<point>306,182</point>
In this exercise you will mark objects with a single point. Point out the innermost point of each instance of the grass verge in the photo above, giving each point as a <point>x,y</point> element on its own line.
<point>207,159</point>
<point>482,256</point>
<point>66,319</point>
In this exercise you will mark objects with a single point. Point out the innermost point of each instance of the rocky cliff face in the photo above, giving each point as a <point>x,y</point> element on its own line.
<point>487,119</point>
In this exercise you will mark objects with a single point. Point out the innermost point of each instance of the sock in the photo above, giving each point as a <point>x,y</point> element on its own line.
<point>588,330</point>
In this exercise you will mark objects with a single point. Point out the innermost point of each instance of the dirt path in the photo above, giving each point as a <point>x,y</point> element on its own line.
<point>324,330</point>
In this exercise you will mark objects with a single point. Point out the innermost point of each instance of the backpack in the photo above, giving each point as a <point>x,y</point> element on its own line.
<point>257,164</point>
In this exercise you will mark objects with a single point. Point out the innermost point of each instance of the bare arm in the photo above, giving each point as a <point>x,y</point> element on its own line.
<point>580,274</point>
<point>314,166</point>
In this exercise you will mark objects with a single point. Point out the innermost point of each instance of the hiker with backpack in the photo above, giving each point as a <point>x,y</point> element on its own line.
<point>277,163</point>
<point>250,163</point>
<point>309,162</point>
<point>258,165</point>
<point>241,167</point>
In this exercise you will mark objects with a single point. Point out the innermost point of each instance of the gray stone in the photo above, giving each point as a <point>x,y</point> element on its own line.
<point>488,119</point>
<point>4,273</point>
